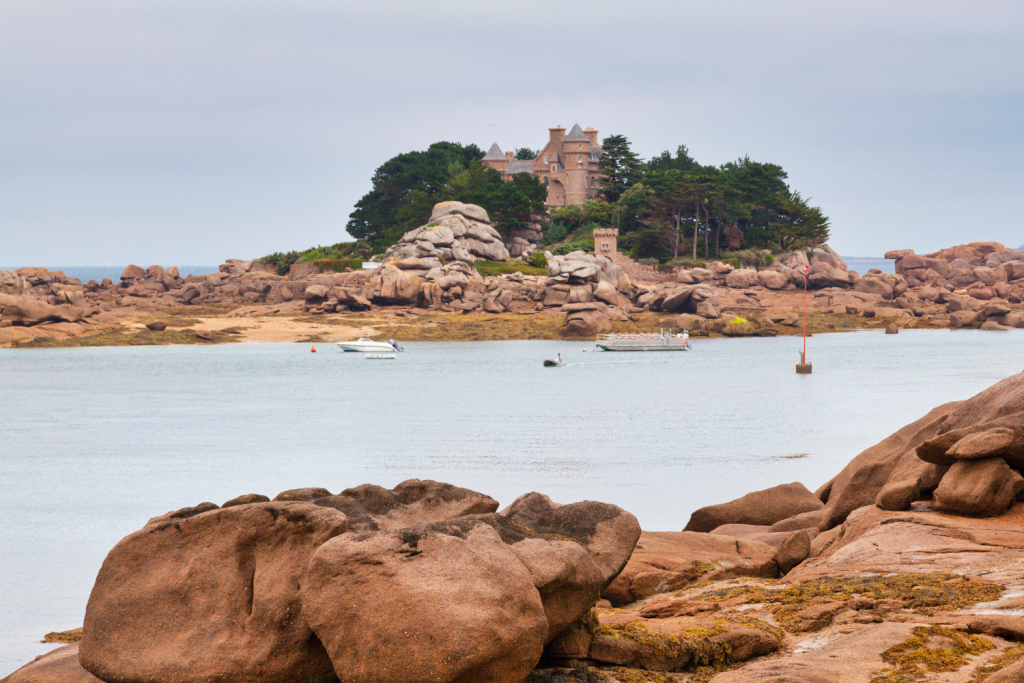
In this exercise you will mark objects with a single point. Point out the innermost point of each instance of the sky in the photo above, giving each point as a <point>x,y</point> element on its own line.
<point>186,132</point>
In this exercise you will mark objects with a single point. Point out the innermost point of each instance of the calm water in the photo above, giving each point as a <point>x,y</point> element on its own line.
<point>93,442</point>
<point>864,263</point>
<point>97,273</point>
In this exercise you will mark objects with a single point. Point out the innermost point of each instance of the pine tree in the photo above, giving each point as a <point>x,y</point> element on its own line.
<point>620,167</point>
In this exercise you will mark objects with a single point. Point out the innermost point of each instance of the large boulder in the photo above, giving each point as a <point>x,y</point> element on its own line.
<point>470,211</point>
<point>11,282</point>
<point>760,507</point>
<point>425,604</point>
<point>27,310</point>
<point>872,285</point>
<point>373,508</point>
<point>212,591</point>
<point>608,532</point>
<point>741,279</point>
<point>666,561</point>
<point>772,279</point>
<point>133,272</point>
<point>394,285</point>
<point>979,488</point>
<point>423,582</point>
<point>586,319</point>
<point>824,275</point>
<point>455,232</point>
<point>863,478</point>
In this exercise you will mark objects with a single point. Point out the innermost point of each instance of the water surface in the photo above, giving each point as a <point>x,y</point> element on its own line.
<point>94,441</point>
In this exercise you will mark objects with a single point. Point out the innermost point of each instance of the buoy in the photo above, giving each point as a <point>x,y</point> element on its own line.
<point>313,350</point>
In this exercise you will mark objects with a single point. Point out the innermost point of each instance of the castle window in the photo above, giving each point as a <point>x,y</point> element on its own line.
<point>553,169</point>
<point>545,180</point>
<point>545,158</point>
<point>579,162</point>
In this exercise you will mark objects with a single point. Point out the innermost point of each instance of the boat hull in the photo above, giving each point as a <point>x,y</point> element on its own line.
<point>366,347</point>
<point>643,347</point>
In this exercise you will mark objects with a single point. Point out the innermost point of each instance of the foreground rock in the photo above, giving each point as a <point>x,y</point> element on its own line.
<point>665,561</point>
<point>59,666</point>
<point>761,507</point>
<point>423,582</point>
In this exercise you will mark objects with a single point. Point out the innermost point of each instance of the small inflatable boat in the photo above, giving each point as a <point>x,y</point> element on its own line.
<point>552,363</point>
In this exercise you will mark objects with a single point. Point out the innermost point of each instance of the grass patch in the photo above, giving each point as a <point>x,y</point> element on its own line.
<point>507,267</point>
<point>922,593</point>
<point>913,658</point>
<point>339,265</point>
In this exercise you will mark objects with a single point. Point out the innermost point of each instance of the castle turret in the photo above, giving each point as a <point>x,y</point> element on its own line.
<point>591,134</point>
<point>576,160</point>
<point>496,159</point>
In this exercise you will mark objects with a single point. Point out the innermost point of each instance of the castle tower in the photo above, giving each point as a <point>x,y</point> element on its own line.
<point>606,242</point>
<point>496,159</point>
<point>591,134</point>
<point>576,159</point>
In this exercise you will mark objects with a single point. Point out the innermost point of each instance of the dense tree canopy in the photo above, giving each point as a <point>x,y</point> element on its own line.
<point>406,187</point>
<point>668,207</point>
<point>672,200</point>
<point>526,154</point>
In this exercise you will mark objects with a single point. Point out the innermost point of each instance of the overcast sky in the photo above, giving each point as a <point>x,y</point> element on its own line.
<point>191,131</point>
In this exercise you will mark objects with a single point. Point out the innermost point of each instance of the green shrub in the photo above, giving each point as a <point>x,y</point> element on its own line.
<point>339,265</point>
<point>566,247</point>
<point>538,260</point>
<point>506,267</point>
<point>648,262</point>
<point>556,233</point>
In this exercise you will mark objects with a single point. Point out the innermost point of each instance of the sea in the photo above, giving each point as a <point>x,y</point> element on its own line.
<point>95,441</point>
<point>97,273</point>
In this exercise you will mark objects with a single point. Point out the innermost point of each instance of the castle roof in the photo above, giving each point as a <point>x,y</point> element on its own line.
<point>519,166</point>
<point>494,153</point>
<point>576,135</point>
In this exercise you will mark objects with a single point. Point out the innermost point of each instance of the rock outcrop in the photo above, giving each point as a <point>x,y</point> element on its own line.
<point>423,582</point>
<point>455,232</point>
<point>761,508</point>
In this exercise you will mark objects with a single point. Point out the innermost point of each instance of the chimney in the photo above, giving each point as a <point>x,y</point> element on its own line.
<point>592,134</point>
<point>509,155</point>
<point>557,133</point>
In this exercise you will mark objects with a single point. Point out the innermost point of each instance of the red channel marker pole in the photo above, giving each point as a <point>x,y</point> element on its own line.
<point>804,357</point>
<point>804,367</point>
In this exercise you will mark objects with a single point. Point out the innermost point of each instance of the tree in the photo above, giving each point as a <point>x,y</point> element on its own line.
<point>620,167</point>
<point>681,162</point>
<point>402,189</point>
<point>510,204</point>
<point>799,222</point>
<point>526,154</point>
<point>761,187</point>
<point>671,200</point>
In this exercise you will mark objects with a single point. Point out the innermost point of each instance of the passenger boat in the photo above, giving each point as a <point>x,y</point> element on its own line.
<point>365,345</point>
<point>662,341</point>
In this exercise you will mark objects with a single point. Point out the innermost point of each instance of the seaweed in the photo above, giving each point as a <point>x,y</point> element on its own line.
<point>915,657</point>
<point>922,593</point>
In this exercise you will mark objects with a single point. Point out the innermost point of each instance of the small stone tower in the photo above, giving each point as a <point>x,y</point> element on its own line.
<point>606,242</point>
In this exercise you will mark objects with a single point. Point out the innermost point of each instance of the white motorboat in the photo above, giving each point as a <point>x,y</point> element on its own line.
<point>365,345</point>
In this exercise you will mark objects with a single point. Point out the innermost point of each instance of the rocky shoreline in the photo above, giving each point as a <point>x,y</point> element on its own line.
<point>437,275</point>
<point>907,566</point>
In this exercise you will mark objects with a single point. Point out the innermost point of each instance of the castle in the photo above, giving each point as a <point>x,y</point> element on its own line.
<point>567,165</point>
